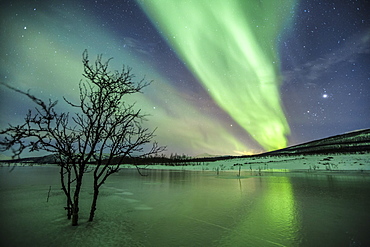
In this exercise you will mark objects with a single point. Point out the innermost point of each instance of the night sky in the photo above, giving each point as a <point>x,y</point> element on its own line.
<point>229,77</point>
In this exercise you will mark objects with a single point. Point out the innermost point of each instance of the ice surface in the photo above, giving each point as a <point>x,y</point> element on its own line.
<point>193,206</point>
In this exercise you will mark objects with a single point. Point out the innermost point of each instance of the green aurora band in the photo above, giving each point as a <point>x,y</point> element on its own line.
<point>43,53</point>
<point>231,47</point>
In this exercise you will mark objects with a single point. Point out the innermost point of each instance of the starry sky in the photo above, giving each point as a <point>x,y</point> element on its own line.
<point>229,77</point>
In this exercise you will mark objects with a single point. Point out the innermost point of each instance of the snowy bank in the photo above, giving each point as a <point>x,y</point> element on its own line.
<point>309,163</point>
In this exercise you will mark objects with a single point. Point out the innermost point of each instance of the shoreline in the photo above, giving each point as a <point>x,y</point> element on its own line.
<point>311,164</point>
<point>244,173</point>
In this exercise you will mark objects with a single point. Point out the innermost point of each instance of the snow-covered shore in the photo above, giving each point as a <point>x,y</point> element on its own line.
<point>309,163</point>
<point>359,162</point>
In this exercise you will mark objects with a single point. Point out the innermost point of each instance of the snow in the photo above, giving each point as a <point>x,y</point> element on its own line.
<point>27,219</point>
<point>309,163</point>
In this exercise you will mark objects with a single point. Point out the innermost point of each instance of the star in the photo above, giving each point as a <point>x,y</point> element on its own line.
<point>316,64</point>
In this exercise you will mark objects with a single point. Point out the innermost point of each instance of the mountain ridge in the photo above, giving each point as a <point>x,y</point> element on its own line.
<point>349,142</point>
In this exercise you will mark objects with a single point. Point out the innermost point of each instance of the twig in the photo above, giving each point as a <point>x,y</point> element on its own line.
<point>47,199</point>
<point>138,169</point>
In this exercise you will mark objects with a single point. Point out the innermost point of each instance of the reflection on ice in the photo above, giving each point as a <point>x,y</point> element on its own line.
<point>182,208</point>
<point>271,219</point>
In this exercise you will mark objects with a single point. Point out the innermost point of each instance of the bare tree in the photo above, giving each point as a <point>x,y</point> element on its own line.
<point>101,134</point>
<point>117,125</point>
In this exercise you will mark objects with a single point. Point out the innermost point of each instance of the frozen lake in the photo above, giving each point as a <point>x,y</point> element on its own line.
<point>189,208</point>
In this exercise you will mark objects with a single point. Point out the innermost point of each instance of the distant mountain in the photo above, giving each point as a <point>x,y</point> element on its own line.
<point>48,159</point>
<point>206,155</point>
<point>350,142</point>
<point>4,157</point>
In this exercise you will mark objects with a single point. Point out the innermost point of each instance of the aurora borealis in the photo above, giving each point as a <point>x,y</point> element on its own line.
<point>231,47</point>
<point>229,77</point>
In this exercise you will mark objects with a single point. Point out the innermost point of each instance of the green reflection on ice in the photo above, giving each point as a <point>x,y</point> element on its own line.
<point>272,220</point>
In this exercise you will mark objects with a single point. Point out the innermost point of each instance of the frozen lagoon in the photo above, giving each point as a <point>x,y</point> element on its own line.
<point>190,208</point>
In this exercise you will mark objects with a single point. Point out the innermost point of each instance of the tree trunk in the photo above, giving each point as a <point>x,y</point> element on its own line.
<point>69,203</point>
<point>75,213</point>
<point>93,204</point>
<point>75,206</point>
<point>66,189</point>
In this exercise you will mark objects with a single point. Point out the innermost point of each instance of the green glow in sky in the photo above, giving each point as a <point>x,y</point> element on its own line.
<point>231,47</point>
<point>43,53</point>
